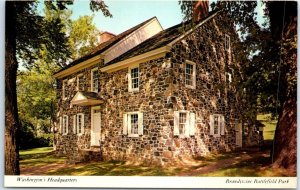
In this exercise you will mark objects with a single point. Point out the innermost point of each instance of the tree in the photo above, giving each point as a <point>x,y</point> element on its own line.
<point>283,23</point>
<point>83,36</point>
<point>26,33</point>
<point>36,90</point>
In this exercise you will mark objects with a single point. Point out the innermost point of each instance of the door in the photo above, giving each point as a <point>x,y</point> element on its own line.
<point>96,126</point>
<point>239,134</point>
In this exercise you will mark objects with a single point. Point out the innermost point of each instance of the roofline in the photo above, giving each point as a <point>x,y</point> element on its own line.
<point>192,29</point>
<point>154,54</point>
<point>87,63</point>
<point>126,37</point>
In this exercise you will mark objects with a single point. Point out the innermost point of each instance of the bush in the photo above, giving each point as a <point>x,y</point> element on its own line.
<point>28,139</point>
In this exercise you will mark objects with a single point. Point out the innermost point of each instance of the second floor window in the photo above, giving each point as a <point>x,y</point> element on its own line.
<point>134,79</point>
<point>95,80</point>
<point>80,82</point>
<point>64,89</point>
<point>190,74</point>
<point>227,42</point>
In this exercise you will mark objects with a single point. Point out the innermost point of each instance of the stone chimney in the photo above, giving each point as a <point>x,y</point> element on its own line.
<point>105,36</point>
<point>200,10</point>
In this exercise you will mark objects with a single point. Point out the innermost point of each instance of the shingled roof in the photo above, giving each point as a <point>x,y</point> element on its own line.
<point>159,40</point>
<point>104,46</point>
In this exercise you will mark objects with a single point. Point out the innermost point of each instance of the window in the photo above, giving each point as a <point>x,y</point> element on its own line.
<point>65,125</point>
<point>133,124</point>
<point>80,82</point>
<point>227,42</point>
<point>95,80</point>
<point>80,123</point>
<point>133,79</point>
<point>190,74</point>
<point>184,123</point>
<point>217,125</point>
<point>64,89</point>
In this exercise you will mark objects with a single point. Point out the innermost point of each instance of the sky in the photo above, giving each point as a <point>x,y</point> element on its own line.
<point>128,13</point>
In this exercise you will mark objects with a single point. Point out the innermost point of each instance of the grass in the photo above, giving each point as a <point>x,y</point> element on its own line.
<point>44,160</point>
<point>39,157</point>
<point>270,125</point>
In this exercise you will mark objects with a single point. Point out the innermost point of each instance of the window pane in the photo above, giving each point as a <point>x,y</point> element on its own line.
<point>182,122</point>
<point>189,74</point>
<point>95,81</point>
<point>80,83</point>
<point>216,124</point>
<point>135,78</point>
<point>134,124</point>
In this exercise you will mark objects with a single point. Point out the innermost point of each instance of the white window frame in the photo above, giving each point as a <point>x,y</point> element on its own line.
<point>227,42</point>
<point>193,86</point>
<point>221,125</point>
<point>127,124</point>
<point>130,89</point>
<point>189,126</point>
<point>92,80</point>
<point>64,88</point>
<point>82,124</point>
<point>65,124</point>
<point>78,82</point>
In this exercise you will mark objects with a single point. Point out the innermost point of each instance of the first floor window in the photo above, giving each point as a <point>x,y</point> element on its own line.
<point>133,124</point>
<point>217,125</point>
<point>65,124</point>
<point>190,74</point>
<point>80,123</point>
<point>184,123</point>
<point>134,79</point>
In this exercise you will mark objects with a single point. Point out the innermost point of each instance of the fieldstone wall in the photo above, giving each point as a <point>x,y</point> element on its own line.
<point>162,91</point>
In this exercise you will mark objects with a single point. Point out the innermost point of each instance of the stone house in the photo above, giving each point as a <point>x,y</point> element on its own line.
<point>154,96</point>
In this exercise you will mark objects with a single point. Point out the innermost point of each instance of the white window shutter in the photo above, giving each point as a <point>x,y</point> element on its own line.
<point>194,75</point>
<point>187,125</point>
<point>222,124</point>
<point>82,125</point>
<point>74,124</point>
<point>211,124</point>
<point>192,124</point>
<point>141,127</point>
<point>67,128</point>
<point>60,125</point>
<point>176,123</point>
<point>125,123</point>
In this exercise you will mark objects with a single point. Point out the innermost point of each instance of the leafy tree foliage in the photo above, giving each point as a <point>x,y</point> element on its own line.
<point>27,35</point>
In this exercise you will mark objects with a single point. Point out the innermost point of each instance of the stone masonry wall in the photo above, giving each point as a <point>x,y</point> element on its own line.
<point>162,91</point>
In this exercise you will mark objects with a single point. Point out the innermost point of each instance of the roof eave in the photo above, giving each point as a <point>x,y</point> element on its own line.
<point>78,67</point>
<point>154,54</point>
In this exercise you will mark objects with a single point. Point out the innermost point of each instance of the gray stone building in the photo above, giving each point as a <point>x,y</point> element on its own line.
<point>154,96</point>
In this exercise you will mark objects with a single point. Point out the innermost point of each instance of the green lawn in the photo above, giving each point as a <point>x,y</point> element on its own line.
<point>44,161</point>
<point>270,125</point>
